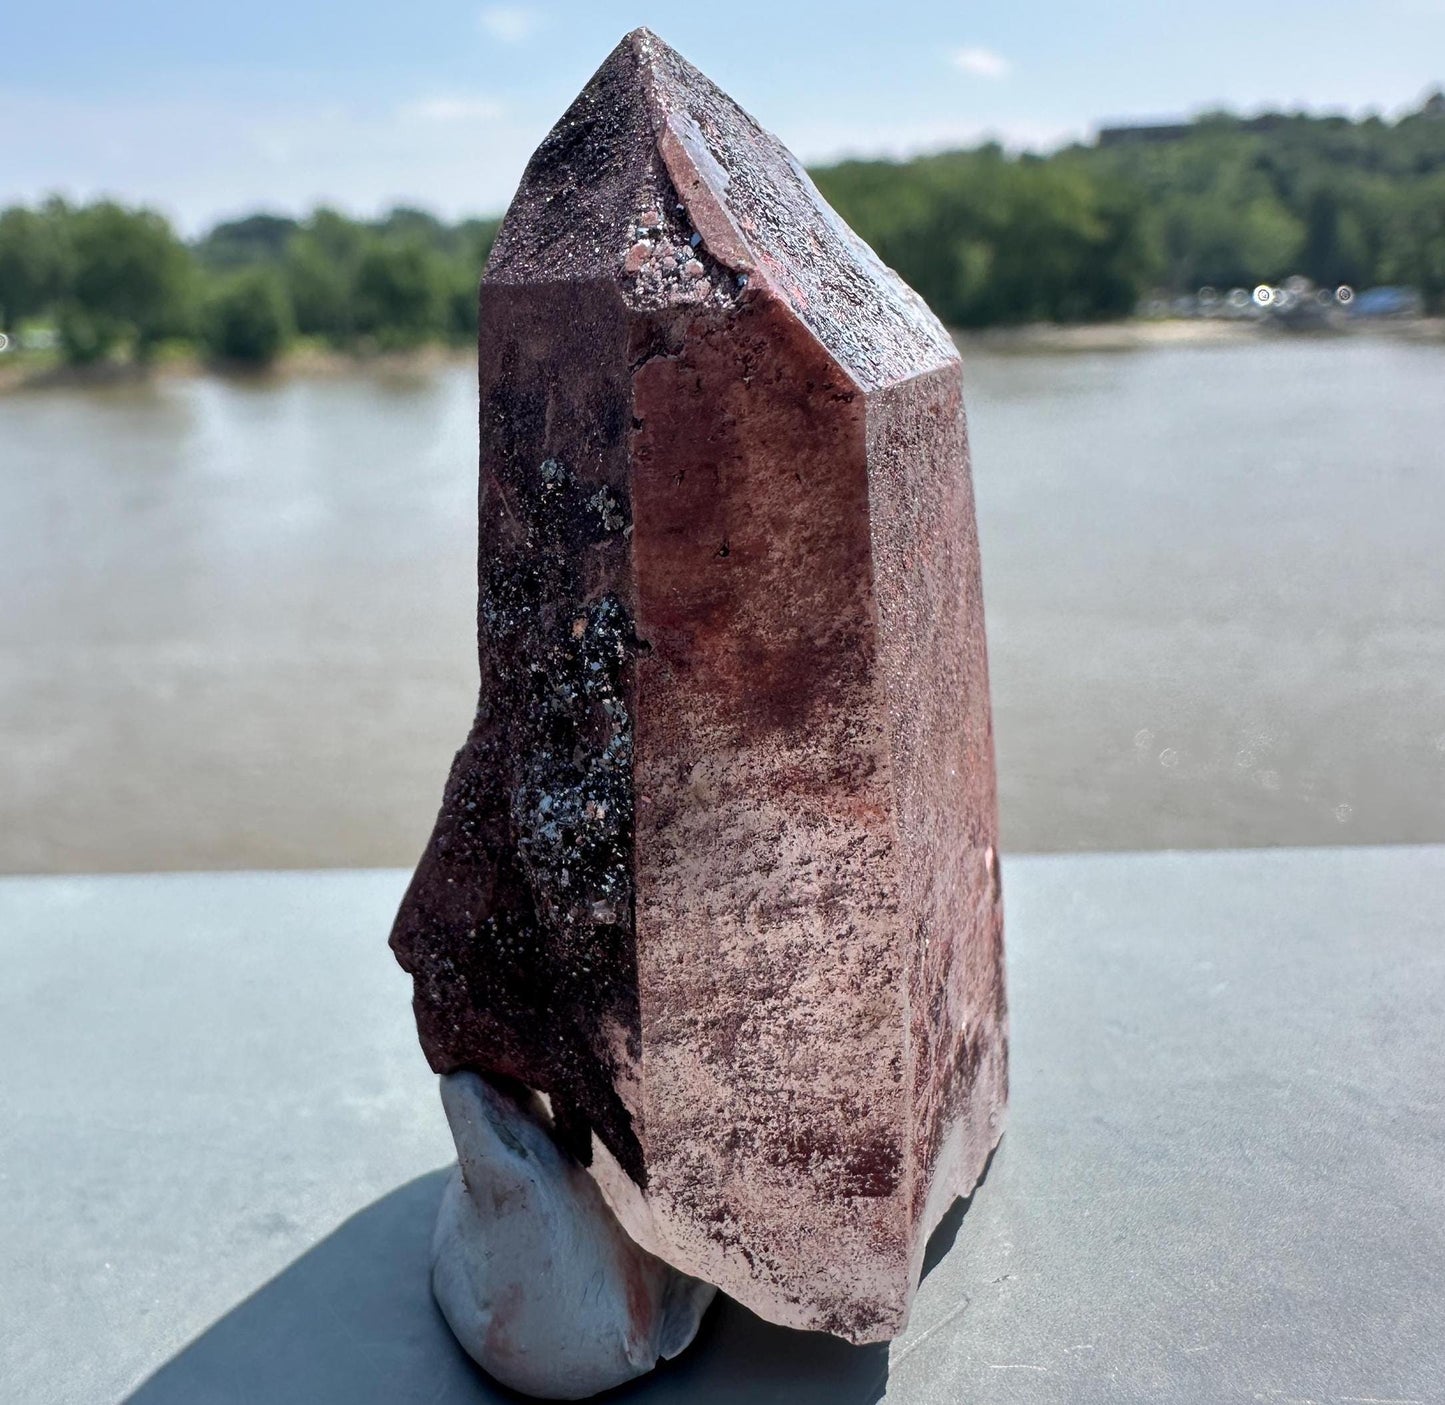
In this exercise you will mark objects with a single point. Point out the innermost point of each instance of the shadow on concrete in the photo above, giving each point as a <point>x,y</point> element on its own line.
<point>352,1322</point>
<point>941,1240</point>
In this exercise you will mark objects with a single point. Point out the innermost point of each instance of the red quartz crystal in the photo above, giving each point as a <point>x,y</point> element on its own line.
<point>716,868</point>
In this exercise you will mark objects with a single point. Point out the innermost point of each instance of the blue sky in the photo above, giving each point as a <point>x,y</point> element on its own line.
<point>207,110</point>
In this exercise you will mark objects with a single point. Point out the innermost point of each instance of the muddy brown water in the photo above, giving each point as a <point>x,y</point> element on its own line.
<point>237,624</point>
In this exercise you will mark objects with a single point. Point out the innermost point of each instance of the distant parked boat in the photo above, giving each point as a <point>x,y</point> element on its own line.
<point>1387,302</point>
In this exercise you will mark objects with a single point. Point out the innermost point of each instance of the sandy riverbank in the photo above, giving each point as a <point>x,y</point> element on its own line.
<point>42,371</point>
<point>1139,334</point>
<point>31,371</point>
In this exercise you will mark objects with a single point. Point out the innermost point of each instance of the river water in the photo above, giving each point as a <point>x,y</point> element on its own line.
<point>238,615</point>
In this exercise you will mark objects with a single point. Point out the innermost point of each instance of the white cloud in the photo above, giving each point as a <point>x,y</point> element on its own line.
<point>510,24</point>
<point>450,109</point>
<point>981,63</point>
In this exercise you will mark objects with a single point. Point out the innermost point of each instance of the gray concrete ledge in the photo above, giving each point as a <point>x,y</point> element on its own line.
<point>1223,1178</point>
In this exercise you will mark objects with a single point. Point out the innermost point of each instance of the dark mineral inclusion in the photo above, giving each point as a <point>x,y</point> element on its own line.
<point>715,869</point>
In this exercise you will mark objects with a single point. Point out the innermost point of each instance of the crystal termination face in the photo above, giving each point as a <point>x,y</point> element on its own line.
<point>716,869</point>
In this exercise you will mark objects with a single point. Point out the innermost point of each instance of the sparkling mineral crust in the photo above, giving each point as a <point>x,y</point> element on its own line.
<point>715,870</point>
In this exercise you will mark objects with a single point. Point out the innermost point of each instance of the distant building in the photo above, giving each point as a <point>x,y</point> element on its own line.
<point>1144,135</point>
<point>1157,133</point>
<point>1154,133</point>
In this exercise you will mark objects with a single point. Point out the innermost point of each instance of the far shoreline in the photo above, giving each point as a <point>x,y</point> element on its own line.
<point>32,371</point>
<point>1144,333</point>
<point>41,371</point>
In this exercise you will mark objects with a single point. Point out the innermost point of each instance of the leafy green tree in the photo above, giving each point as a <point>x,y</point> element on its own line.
<point>405,224</point>
<point>1208,240</point>
<point>132,280</point>
<point>400,292</point>
<point>247,319</point>
<point>86,337</point>
<point>257,239</point>
<point>1416,251</point>
<point>320,268</point>
<point>1334,248</point>
<point>32,262</point>
<point>461,301</point>
<point>985,238</point>
<point>474,239</point>
<point>319,291</point>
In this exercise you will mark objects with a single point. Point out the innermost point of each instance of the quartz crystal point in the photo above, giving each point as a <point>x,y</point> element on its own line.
<point>715,869</point>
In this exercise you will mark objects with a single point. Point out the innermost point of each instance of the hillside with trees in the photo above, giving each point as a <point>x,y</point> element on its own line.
<point>988,237</point>
<point>1223,201</point>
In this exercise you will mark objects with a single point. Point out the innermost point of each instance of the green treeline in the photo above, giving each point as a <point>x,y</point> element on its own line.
<point>113,281</point>
<point>1227,202</point>
<point>986,237</point>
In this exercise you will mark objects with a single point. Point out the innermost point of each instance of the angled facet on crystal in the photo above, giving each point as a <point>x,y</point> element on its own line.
<point>715,869</point>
